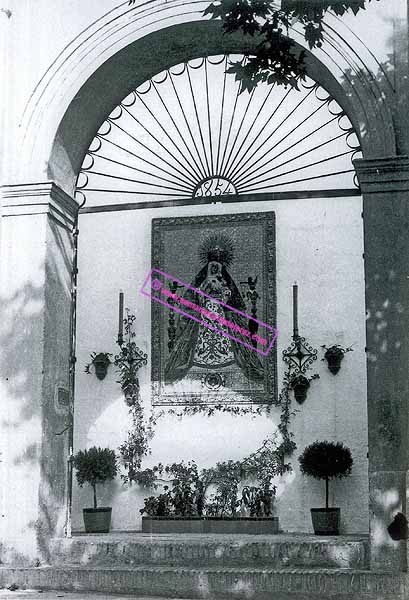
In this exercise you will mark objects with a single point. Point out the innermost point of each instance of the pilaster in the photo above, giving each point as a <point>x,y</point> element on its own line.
<point>39,199</point>
<point>385,185</point>
<point>36,249</point>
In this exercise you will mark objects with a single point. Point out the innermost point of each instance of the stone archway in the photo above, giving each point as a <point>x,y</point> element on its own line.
<point>142,59</point>
<point>66,136</point>
<point>72,99</point>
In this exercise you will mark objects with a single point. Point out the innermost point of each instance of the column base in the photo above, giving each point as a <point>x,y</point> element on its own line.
<point>387,497</point>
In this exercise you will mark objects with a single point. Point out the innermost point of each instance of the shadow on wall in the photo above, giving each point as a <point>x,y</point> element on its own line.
<point>34,343</point>
<point>390,89</point>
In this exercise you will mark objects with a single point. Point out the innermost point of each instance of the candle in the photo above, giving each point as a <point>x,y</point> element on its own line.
<point>295,309</point>
<point>121,318</point>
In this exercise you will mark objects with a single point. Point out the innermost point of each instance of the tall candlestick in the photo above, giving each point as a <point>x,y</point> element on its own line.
<point>295,310</point>
<point>121,318</point>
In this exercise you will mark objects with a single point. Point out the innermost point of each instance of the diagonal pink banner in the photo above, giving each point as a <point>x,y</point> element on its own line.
<point>156,286</point>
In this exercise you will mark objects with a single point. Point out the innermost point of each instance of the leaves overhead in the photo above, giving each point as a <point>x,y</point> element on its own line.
<point>275,59</point>
<point>239,14</point>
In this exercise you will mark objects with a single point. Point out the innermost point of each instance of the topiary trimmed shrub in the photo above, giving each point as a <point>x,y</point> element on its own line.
<point>326,460</point>
<point>96,465</point>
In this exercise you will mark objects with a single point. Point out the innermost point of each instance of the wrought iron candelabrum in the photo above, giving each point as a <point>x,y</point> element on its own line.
<point>130,358</point>
<point>299,356</point>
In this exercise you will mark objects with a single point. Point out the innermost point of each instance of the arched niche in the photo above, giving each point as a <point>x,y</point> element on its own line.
<point>143,58</point>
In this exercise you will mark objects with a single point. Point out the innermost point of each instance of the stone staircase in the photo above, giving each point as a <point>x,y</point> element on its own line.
<point>249,567</point>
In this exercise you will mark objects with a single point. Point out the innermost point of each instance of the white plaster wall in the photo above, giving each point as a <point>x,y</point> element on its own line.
<point>320,245</point>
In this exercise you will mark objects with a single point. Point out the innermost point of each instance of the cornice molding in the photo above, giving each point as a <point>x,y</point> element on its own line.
<point>380,175</point>
<point>39,198</point>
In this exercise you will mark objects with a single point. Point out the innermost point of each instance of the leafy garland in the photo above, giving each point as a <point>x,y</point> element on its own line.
<point>274,59</point>
<point>187,494</point>
<point>287,446</point>
<point>140,432</point>
<point>210,410</point>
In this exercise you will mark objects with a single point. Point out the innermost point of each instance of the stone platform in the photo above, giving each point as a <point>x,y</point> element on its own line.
<point>229,550</point>
<point>220,567</point>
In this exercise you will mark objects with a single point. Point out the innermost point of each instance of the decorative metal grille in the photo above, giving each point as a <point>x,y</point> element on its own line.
<point>188,133</point>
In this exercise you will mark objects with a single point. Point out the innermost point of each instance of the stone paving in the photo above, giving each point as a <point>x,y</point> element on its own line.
<point>51,595</point>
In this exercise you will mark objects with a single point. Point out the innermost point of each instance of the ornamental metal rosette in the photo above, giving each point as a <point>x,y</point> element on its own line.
<point>299,355</point>
<point>188,133</point>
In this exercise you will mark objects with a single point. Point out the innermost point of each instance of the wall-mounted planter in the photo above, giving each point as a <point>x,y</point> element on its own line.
<point>334,361</point>
<point>239,525</point>
<point>334,355</point>
<point>101,362</point>
<point>300,386</point>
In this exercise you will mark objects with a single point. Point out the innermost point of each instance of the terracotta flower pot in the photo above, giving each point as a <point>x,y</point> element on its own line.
<point>326,520</point>
<point>97,520</point>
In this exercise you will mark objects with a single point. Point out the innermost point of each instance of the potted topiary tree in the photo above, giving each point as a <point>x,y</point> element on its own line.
<point>326,460</point>
<point>93,466</point>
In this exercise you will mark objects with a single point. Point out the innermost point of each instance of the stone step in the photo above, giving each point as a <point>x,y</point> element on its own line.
<point>188,550</point>
<point>214,583</point>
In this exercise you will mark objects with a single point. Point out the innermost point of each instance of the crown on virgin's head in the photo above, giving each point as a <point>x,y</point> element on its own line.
<point>217,247</point>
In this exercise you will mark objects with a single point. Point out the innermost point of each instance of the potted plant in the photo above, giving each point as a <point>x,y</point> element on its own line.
<point>326,460</point>
<point>334,355</point>
<point>94,466</point>
<point>101,362</point>
<point>300,384</point>
<point>184,506</point>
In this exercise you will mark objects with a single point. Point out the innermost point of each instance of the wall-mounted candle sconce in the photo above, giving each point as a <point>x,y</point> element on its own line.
<point>120,339</point>
<point>130,358</point>
<point>299,355</point>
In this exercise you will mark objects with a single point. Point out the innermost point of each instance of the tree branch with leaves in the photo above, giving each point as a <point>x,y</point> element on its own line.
<point>275,59</point>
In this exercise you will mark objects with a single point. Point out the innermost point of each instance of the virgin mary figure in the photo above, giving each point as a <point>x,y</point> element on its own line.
<point>197,345</point>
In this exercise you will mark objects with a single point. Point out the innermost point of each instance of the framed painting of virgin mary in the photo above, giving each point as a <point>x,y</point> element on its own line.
<point>191,363</point>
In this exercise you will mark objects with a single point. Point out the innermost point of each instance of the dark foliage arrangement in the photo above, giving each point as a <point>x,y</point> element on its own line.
<point>274,59</point>
<point>186,491</point>
<point>184,495</point>
<point>326,460</point>
<point>95,466</point>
